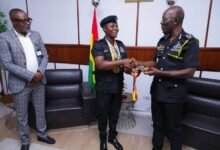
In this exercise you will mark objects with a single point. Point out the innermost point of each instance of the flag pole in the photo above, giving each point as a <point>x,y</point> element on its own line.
<point>94,37</point>
<point>95,3</point>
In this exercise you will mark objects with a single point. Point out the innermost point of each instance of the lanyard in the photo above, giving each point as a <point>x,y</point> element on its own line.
<point>115,53</point>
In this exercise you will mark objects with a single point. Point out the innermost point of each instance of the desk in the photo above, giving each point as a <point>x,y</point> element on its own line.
<point>126,118</point>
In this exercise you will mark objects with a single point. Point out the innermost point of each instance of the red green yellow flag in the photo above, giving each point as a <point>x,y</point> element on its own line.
<point>94,37</point>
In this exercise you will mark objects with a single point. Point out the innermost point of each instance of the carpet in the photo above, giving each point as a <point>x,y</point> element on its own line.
<point>12,144</point>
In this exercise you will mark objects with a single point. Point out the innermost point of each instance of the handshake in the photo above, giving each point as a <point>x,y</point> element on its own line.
<point>134,66</point>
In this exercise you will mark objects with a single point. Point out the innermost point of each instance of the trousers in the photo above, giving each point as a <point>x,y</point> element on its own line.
<point>35,93</point>
<point>108,109</point>
<point>167,122</point>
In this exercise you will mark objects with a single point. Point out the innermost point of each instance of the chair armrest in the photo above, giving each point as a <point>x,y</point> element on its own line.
<point>88,100</point>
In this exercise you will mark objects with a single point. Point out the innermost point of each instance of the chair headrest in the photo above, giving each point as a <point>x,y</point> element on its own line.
<point>63,76</point>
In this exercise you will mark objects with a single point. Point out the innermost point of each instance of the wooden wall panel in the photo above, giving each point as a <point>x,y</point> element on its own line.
<point>141,53</point>
<point>209,59</point>
<point>72,54</point>
<point>79,54</point>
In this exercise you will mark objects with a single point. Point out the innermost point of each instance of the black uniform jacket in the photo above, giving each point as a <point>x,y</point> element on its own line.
<point>180,54</point>
<point>106,80</point>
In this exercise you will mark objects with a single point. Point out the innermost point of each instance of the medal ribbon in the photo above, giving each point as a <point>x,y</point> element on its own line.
<point>134,92</point>
<point>114,51</point>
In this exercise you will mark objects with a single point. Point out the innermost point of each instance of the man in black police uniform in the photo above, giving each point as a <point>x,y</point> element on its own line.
<point>110,57</point>
<point>176,60</point>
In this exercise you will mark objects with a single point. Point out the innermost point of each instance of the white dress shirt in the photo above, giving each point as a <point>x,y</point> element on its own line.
<point>30,54</point>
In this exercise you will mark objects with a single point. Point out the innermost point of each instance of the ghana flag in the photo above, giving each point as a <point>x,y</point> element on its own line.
<point>94,37</point>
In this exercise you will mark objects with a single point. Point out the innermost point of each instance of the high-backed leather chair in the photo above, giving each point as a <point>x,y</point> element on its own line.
<point>201,120</point>
<point>69,101</point>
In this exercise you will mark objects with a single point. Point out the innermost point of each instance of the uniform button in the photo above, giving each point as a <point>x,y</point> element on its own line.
<point>163,57</point>
<point>161,68</point>
<point>175,85</point>
<point>160,80</point>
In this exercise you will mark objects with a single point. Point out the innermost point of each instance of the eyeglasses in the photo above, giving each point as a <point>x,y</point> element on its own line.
<point>166,19</point>
<point>28,20</point>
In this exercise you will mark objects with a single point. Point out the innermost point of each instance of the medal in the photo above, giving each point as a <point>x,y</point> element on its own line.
<point>116,70</point>
<point>115,53</point>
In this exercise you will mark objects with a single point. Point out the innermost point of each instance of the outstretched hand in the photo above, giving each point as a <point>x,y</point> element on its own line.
<point>151,71</point>
<point>126,62</point>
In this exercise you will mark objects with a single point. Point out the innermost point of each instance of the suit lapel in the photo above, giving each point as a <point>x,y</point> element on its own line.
<point>18,43</point>
<point>33,40</point>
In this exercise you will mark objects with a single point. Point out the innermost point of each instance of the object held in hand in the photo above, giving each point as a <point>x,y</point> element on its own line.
<point>142,68</point>
<point>132,64</point>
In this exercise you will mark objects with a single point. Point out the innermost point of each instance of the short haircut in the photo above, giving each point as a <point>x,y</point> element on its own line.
<point>14,11</point>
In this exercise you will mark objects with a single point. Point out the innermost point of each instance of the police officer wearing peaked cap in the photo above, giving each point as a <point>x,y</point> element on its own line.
<point>111,62</point>
<point>176,60</point>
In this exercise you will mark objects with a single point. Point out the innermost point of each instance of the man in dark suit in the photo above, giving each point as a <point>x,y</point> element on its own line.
<point>24,56</point>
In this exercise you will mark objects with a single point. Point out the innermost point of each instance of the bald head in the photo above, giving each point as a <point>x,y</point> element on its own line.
<point>176,12</point>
